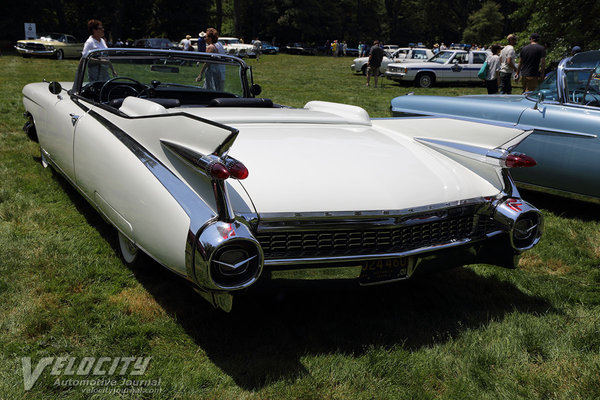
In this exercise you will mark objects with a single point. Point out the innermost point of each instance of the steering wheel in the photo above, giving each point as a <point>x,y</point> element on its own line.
<point>143,89</point>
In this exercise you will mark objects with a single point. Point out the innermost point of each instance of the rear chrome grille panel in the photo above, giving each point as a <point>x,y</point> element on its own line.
<point>327,238</point>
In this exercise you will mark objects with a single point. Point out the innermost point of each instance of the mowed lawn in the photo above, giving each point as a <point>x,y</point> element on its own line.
<point>478,332</point>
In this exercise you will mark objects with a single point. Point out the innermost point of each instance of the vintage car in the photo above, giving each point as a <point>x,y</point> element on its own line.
<point>445,66</point>
<point>56,45</point>
<point>154,43</point>
<point>236,47</point>
<point>300,49</point>
<point>564,114</point>
<point>401,55</point>
<point>226,189</point>
<point>268,48</point>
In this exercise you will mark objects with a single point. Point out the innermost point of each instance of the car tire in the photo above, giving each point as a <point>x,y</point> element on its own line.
<point>59,55</point>
<point>364,69</point>
<point>30,130</point>
<point>129,252</point>
<point>425,79</point>
<point>25,55</point>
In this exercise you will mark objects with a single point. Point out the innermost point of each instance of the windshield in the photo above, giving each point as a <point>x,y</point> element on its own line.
<point>442,57</point>
<point>582,81</point>
<point>52,36</point>
<point>188,76</point>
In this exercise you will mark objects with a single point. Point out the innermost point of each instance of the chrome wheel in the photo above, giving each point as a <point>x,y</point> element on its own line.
<point>129,251</point>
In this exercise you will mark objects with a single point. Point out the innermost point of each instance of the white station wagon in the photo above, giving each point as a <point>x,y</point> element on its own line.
<point>446,66</point>
<point>402,55</point>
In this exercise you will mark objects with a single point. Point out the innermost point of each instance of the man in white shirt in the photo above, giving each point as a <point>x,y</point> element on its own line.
<point>507,65</point>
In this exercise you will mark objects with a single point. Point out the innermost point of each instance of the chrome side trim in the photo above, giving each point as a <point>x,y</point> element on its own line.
<point>421,114</point>
<point>55,166</point>
<point>561,193</point>
<point>198,211</point>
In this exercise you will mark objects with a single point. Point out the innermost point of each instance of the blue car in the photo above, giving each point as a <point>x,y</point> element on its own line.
<point>268,48</point>
<point>564,114</point>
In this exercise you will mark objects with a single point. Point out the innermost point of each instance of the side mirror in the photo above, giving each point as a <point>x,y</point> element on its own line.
<point>255,89</point>
<point>54,87</point>
<point>540,98</point>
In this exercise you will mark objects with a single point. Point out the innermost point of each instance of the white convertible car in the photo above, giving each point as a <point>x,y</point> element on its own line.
<point>226,189</point>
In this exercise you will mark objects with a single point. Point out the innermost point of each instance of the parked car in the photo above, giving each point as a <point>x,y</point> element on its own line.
<point>56,45</point>
<point>268,48</point>
<point>446,66</point>
<point>235,47</point>
<point>226,189</point>
<point>154,43</point>
<point>564,114</point>
<point>300,49</point>
<point>401,55</point>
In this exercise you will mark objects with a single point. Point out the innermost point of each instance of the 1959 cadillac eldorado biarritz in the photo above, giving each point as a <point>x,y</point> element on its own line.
<point>226,189</point>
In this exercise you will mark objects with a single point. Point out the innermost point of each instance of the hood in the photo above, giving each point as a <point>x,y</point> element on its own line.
<point>312,168</point>
<point>501,108</point>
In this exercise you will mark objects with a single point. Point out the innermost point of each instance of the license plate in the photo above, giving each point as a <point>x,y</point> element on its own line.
<point>391,269</point>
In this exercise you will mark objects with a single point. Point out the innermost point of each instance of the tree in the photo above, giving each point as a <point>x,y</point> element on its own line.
<point>485,25</point>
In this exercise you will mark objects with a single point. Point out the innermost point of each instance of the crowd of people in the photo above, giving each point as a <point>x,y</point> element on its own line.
<point>502,67</point>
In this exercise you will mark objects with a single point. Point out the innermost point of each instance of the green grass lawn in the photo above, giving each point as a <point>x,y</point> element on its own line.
<point>478,332</point>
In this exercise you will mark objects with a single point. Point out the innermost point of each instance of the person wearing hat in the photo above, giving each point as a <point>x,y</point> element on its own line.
<point>186,44</point>
<point>202,41</point>
<point>436,48</point>
<point>532,64</point>
<point>507,65</point>
<point>575,50</point>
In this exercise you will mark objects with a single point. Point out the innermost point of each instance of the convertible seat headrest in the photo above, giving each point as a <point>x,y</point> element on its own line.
<point>240,102</point>
<point>166,103</point>
<point>135,106</point>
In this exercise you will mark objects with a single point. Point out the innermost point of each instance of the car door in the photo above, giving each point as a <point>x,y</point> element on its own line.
<point>72,47</point>
<point>566,146</point>
<point>477,58</point>
<point>61,122</point>
<point>457,70</point>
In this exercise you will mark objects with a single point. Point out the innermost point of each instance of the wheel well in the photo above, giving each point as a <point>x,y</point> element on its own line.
<point>425,73</point>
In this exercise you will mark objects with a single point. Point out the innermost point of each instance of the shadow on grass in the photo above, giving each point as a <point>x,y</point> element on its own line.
<point>271,328</point>
<point>563,207</point>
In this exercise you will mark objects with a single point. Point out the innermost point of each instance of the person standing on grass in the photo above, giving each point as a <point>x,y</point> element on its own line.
<point>375,59</point>
<point>532,64</point>
<point>493,76</point>
<point>257,48</point>
<point>507,65</point>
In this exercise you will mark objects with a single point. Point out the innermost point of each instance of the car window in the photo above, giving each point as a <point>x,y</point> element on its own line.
<point>442,57</point>
<point>479,58</point>
<point>462,58</point>
<point>419,54</point>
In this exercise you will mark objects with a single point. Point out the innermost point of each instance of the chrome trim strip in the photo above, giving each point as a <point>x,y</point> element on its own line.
<point>561,193</point>
<point>55,166</point>
<point>421,114</point>
<point>364,215</point>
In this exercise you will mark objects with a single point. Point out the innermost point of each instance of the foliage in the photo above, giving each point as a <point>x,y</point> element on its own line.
<point>561,25</point>
<point>485,25</point>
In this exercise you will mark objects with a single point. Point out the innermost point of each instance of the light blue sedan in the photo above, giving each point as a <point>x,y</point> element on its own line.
<point>564,113</point>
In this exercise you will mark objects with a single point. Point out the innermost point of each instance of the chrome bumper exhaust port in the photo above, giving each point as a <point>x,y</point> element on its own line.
<point>525,222</point>
<point>227,257</point>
